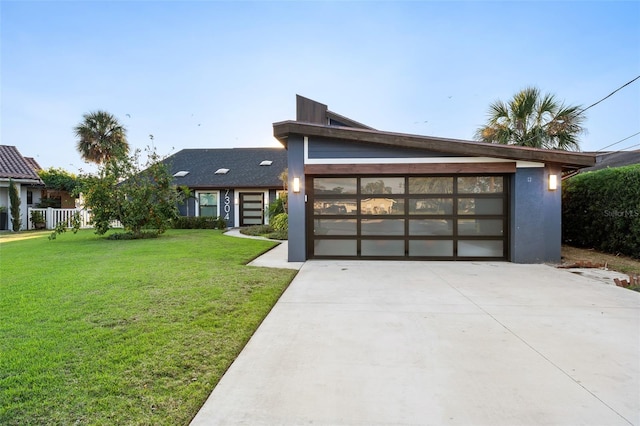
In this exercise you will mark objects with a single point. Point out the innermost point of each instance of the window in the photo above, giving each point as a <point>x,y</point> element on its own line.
<point>208,204</point>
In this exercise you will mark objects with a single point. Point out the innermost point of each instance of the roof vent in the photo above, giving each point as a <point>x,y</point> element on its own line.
<point>266,163</point>
<point>181,173</point>
<point>222,171</point>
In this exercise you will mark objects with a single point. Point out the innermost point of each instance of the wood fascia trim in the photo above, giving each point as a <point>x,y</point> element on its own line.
<point>454,146</point>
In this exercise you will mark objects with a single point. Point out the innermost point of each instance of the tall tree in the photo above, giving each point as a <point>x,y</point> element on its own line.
<point>534,120</point>
<point>101,137</point>
<point>14,199</point>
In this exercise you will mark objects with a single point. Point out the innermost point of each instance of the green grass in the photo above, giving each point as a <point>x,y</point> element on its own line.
<point>94,331</point>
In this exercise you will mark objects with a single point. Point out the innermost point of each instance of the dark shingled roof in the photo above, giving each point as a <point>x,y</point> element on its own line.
<point>13,165</point>
<point>244,167</point>
<point>615,159</point>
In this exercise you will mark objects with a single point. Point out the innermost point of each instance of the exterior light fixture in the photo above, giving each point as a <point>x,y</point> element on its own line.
<point>296,185</point>
<point>553,182</point>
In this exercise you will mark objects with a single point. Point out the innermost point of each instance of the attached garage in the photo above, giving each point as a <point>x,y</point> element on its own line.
<point>359,193</point>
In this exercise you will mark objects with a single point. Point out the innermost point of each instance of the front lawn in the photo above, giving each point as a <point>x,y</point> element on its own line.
<point>95,331</point>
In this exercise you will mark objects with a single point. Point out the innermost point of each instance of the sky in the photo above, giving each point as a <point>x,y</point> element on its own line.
<point>218,74</point>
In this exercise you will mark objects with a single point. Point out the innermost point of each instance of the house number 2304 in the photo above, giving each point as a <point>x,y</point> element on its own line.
<point>227,205</point>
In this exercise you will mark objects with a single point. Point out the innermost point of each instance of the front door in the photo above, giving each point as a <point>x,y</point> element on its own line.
<point>251,208</point>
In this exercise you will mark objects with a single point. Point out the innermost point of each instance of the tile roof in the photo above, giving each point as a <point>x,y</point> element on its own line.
<point>244,167</point>
<point>33,163</point>
<point>14,165</point>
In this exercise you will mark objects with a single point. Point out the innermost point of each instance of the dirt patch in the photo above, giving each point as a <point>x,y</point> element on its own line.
<point>622,264</point>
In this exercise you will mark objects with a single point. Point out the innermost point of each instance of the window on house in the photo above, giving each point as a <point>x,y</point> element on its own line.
<point>208,204</point>
<point>29,197</point>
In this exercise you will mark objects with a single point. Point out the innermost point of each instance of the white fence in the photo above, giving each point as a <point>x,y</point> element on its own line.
<point>54,216</point>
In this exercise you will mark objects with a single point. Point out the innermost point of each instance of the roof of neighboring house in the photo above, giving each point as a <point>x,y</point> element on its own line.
<point>314,119</point>
<point>14,166</point>
<point>615,159</point>
<point>242,165</point>
<point>33,163</point>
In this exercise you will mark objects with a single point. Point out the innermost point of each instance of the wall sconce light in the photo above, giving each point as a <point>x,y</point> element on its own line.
<point>553,182</point>
<point>296,185</point>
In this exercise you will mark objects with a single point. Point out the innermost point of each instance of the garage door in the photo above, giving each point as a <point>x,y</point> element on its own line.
<point>458,217</point>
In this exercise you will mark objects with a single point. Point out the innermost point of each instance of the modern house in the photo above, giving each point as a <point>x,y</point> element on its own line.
<point>360,193</point>
<point>22,170</point>
<point>237,184</point>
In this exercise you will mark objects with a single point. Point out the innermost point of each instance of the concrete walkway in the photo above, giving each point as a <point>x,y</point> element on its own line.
<point>433,343</point>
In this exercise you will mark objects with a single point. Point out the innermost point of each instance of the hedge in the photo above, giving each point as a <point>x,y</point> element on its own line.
<point>601,210</point>
<point>199,222</point>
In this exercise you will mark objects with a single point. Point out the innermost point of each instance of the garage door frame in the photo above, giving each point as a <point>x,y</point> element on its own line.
<point>455,218</point>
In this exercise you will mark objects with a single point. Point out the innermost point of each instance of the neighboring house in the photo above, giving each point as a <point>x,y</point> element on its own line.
<point>237,184</point>
<point>614,159</point>
<point>22,170</point>
<point>360,193</point>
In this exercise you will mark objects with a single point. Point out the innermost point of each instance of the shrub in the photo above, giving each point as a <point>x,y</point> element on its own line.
<point>199,222</point>
<point>266,231</point>
<point>256,230</point>
<point>279,205</point>
<point>280,222</point>
<point>133,236</point>
<point>601,210</point>
<point>44,203</point>
<point>278,235</point>
<point>37,218</point>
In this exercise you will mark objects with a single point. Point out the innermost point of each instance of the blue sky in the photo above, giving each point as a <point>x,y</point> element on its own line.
<point>218,74</point>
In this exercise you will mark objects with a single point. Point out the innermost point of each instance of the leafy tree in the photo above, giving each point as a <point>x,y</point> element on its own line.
<point>533,120</point>
<point>14,198</point>
<point>142,199</point>
<point>101,137</point>
<point>376,187</point>
<point>59,179</point>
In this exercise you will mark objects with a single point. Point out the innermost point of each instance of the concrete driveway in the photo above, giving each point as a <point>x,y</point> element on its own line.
<point>438,343</point>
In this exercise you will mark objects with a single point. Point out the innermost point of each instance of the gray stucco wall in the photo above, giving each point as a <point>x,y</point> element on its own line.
<point>296,201</point>
<point>330,148</point>
<point>535,217</point>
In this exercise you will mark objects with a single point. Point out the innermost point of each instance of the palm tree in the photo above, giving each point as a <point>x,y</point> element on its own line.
<point>533,120</point>
<point>101,137</point>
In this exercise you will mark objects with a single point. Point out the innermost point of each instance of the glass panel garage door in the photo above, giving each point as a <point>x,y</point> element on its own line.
<point>409,217</point>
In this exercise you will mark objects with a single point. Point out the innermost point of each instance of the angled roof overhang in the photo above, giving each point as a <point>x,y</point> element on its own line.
<point>565,159</point>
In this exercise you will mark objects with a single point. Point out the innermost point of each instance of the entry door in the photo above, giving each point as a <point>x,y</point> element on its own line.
<point>251,208</point>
